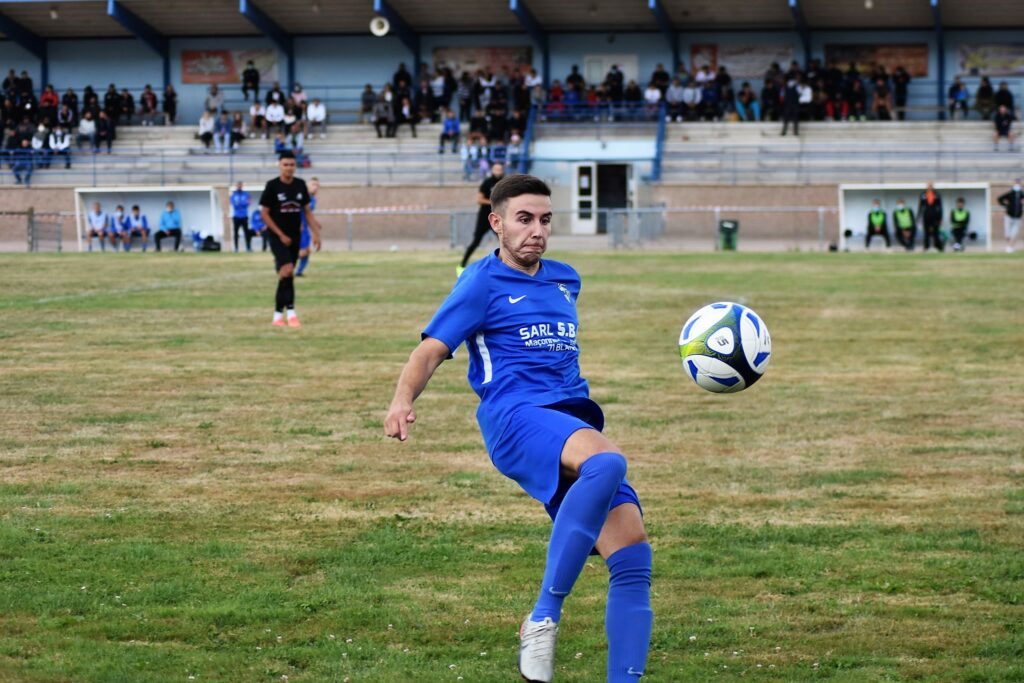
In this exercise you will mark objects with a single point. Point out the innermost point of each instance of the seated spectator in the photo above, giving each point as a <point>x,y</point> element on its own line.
<point>60,144</point>
<point>134,224</point>
<point>316,115</point>
<point>291,115</point>
<point>478,124</point>
<point>674,100</point>
<point>105,131</point>
<point>28,106</point>
<point>574,81</point>
<point>407,114</point>
<point>366,101</point>
<point>112,104</point>
<point>238,129</point>
<point>9,114</point>
<point>147,106</point>
<point>660,79</point>
<point>24,83</point>
<point>257,227</point>
<point>725,90</point>
<point>956,99</point>
<point>819,101</point>
<point>1003,121</point>
<point>710,104</point>
<point>70,100</point>
<point>214,101</point>
<point>127,106</point>
<point>40,146</point>
<point>856,99</point>
<point>48,104</point>
<point>275,95</point>
<point>118,229</point>
<point>497,120</point>
<point>90,102</point>
<point>25,130</point>
<point>837,108</point>
<point>703,75</point>
<point>297,141</point>
<point>1004,97</point>
<point>424,102</point>
<point>384,115</point>
<point>275,116</point>
<point>170,106</point>
<point>23,163</point>
<point>691,100</point>
<point>652,98</point>
<point>771,98</point>
<point>633,96</point>
<point>65,117</point>
<point>299,100</point>
<point>747,106</point>
<point>222,133</point>
<point>97,222</point>
<point>257,120</point>
<point>464,94</point>
<point>207,124</point>
<point>806,98</point>
<point>985,98</point>
<point>881,102</point>
<point>170,226</point>
<point>87,132</point>
<point>251,81</point>
<point>282,143</point>
<point>449,132</point>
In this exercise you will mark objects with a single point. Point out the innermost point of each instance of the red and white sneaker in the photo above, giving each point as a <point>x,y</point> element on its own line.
<point>293,320</point>
<point>278,321</point>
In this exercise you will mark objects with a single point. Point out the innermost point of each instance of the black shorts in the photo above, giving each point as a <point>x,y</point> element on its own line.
<point>284,253</point>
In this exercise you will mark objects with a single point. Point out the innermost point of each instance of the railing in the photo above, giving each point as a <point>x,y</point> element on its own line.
<point>659,143</point>
<point>600,113</point>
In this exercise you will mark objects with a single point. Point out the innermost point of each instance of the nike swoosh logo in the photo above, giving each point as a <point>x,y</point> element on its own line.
<point>633,672</point>
<point>516,300</point>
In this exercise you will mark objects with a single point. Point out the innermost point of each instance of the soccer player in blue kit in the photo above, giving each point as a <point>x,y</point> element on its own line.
<point>517,314</point>
<point>306,242</point>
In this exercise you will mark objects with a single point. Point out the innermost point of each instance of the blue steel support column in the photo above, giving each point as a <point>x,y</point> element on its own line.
<point>144,32</point>
<point>537,33</point>
<point>940,45</point>
<point>665,24</point>
<point>404,32</point>
<point>20,35</point>
<point>801,28</point>
<point>268,27</point>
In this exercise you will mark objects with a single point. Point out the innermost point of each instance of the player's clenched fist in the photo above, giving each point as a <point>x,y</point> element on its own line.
<point>398,419</point>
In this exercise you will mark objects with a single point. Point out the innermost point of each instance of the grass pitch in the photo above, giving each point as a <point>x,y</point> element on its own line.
<point>189,494</point>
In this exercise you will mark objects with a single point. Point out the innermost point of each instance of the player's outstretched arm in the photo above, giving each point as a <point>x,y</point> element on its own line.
<point>423,361</point>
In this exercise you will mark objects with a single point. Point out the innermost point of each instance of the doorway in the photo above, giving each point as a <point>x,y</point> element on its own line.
<point>612,191</point>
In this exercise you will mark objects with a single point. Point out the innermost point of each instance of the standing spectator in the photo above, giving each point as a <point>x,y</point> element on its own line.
<point>366,102</point>
<point>960,219</point>
<point>881,102</point>
<point>985,98</point>
<point>22,164</point>
<point>24,83</point>
<point>105,131</point>
<point>251,82</point>
<point>10,85</point>
<point>170,226</point>
<point>275,116</point>
<point>464,94</point>
<point>170,106</point>
<point>652,98</point>
<point>214,101</point>
<point>257,120</point>
<point>900,85</point>
<point>275,95</point>
<point>401,76</point>
<point>70,100</point>
<point>904,225</point>
<point>238,129</point>
<point>1005,97</point>
<point>48,104</point>
<point>112,104</point>
<point>438,88</point>
<point>1003,120</point>
<point>407,114</point>
<point>449,132</point>
<point>384,115</point>
<point>1013,202</point>
<point>87,132</point>
<point>240,201</point>
<point>615,84</point>
<point>60,144</point>
<point>674,100</point>
<point>747,106</point>
<point>206,128</point>
<point>725,90</point>
<point>877,225</point>
<point>574,81</point>
<point>90,101</point>
<point>929,212</point>
<point>956,98</point>
<point>791,106</point>
<point>660,78</point>
<point>771,99</point>
<point>222,133</point>
<point>127,106</point>
<point>147,106</point>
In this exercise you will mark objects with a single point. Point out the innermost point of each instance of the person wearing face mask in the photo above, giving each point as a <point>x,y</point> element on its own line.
<point>878,224</point>
<point>1013,202</point>
<point>904,224</point>
<point>929,211</point>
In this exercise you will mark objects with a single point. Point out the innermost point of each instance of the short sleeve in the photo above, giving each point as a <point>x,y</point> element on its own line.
<point>305,194</point>
<point>461,314</point>
<point>268,199</point>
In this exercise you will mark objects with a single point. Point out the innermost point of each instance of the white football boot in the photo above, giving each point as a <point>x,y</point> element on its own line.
<point>537,650</point>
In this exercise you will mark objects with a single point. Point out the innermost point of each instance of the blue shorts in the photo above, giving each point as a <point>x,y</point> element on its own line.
<point>530,450</point>
<point>307,238</point>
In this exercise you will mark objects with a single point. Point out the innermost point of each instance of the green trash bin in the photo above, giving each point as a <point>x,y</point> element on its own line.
<point>727,233</point>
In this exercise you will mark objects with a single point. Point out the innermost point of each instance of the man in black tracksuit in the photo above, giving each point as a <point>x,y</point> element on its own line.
<point>1013,202</point>
<point>929,212</point>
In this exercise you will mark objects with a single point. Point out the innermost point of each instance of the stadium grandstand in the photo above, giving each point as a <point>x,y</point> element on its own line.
<point>621,105</point>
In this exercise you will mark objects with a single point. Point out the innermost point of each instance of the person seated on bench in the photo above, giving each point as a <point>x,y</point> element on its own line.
<point>170,226</point>
<point>136,224</point>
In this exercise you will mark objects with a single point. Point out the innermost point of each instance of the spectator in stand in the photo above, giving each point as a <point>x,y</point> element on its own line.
<point>960,219</point>
<point>106,133</point>
<point>90,101</point>
<point>70,100</point>
<point>704,75</point>
<point>10,114</point>
<point>206,128</point>
<point>900,85</point>
<point>819,101</point>
<point>485,85</point>
<point>60,144</point>
<point>274,116</point>
<point>366,102</point>
<point>239,130</point>
<point>956,98</point>
<point>464,93</point>
<point>402,92</point>
<point>881,102</point>
<point>170,106</point>
<point>65,117</point>
<point>747,106</point>
<point>774,73</point>
<point>275,95</point>
<point>291,116</point>
<point>257,120</point>
<point>674,100</point>
<point>497,121</point>
<point>240,201</point>
<point>615,82</point>
<point>806,98</point>
<point>856,99</point>
<point>652,98</point>
<point>28,105</point>
<point>726,94</point>
<point>127,107</point>
<point>112,104</point>
<point>1013,202</point>
<point>710,103</point>
<point>407,114</point>
<point>136,224</point>
<point>478,124</point>
<point>660,79</point>
<point>300,99</point>
<point>40,146</point>
<point>985,98</point>
<point>282,143</point>
<point>251,82</point>
<point>449,132</point>
<point>574,81</point>
<point>48,104</point>
<point>401,76</point>
<point>147,106</point>
<point>838,107</point>
<point>929,212</point>
<point>1004,97</point>
<point>904,225</point>
<point>25,130</point>
<point>214,101</point>
<point>771,99</point>
<point>384,115</point>
<point>22,164</point>
<point>439,89</point>
<point>10,85</point>
<point>97,222</point>
<point>297,140</point>
<point>424,102</point>
<point>24,83</point>
<point>633,96</point>
<point>316,116</point>
<point>170,226</point>
<point>1003,121</point>
<point>791,106</point>
<point>222,133</point>
<point>87,132</point>
<point>522,97</point>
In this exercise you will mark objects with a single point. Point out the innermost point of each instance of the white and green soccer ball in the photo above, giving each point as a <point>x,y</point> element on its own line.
<point>725,347</point>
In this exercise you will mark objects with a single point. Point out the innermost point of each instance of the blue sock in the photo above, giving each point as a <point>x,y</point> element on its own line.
<point>303,261</point>
<point>577,525</point>
<point>628,616</point>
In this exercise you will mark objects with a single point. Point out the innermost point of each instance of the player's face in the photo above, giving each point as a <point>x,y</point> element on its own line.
<point>313,186</point>
<point>287,168</point>
<point>524,228</point>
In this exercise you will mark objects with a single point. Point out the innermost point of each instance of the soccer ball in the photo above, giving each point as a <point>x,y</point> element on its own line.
<point>725,347</point>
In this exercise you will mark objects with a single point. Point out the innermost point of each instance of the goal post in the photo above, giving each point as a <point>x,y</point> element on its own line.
<point>855,202</point>
<point>199,206</point>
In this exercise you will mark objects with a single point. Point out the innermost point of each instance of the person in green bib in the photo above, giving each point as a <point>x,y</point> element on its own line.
<point>905,224</point>
<point>960,219</point>
<point>878,224</point>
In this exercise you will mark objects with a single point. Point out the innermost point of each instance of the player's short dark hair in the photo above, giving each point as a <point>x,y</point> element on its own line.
<point>513,186</point>
<point>961,199</point>
<point>286,154</point>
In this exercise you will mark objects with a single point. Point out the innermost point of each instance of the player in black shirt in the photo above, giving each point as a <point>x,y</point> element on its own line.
<point>284,201</point>
<point>483,198</point>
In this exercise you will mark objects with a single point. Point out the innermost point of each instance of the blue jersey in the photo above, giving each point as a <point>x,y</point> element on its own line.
<point>256,223</point>
<point>312,207</point>
<point>521,333</point>
<point>239,204</point>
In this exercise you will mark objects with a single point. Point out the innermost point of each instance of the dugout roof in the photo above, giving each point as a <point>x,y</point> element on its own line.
<point>178,18</point>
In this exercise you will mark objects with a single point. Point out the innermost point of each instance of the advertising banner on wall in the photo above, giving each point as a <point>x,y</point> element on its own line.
<point>741,61</point>
<point>473,59</point>
<point>991,60</point>
<point>226,66</point>
<point>913,57</point>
